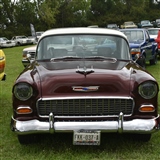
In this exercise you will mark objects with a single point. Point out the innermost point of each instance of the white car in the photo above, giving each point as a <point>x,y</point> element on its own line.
<point>22,40</point>
<point>29,50</point>
<point>5,43</point>
<point>153,32</point>
<point>33,39</point>
<point>38,34</point>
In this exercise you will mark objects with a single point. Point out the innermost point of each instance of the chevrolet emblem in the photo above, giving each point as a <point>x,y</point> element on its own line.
<point>85,89</point>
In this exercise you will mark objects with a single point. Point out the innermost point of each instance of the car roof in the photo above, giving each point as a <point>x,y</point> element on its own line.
<point>153,28</point>
<point>21,36</point>
<point>145,20</point>
<point>112,24</point>
<point>128,21</point>
<point>141,29</point>
<point>82,30</point>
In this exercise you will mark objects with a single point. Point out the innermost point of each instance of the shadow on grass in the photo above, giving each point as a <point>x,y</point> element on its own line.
<point>59,142</point>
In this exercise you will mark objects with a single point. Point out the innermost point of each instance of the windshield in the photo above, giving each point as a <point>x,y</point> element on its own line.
<point>145,22</point>
<point>112,26</point>
<point>129,23</point>
<point>134,35</point>
<point>21,37</point>
<point>153,31</point>
<point>4,39</point>
<point>39,33</point>
<point>83,46</point>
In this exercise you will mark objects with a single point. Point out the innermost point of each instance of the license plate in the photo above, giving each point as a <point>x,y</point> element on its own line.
<point>86,137</point>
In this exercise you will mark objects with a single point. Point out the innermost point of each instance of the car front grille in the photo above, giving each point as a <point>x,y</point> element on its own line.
<point>85,107</point>
<point>32,53</point>
<point>29,41</point>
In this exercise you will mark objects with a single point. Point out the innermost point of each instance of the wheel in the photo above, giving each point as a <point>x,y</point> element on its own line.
<point>18,44</point>
<point>142,62</point>
<point>28,139</point>
<point>154,60</point>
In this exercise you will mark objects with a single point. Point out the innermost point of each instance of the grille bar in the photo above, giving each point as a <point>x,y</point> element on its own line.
<point>85,107</point>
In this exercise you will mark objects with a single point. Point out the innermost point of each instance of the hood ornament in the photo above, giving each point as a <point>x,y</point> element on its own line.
<point>85,71</point>
<point>85,88</point>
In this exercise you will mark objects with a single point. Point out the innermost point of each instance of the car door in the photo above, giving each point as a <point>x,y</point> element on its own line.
<point>147,46</point>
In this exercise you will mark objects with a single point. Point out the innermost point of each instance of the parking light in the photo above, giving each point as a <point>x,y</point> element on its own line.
<point>24,110</point>
<point>147,108</point>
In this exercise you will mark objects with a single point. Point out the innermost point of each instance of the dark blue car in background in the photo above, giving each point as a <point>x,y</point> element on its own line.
<point>142,47</point>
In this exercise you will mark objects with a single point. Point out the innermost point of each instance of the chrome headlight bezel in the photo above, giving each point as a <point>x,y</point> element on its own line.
<point>148,90</point>
<point>136,50</point>
<point>23,91</point>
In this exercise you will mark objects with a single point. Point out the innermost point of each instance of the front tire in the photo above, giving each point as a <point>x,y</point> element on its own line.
<point>28,139</point>
<point>154,60</point>
<point>142,62</point>
<point>18,44</point>
<point>142,137</point>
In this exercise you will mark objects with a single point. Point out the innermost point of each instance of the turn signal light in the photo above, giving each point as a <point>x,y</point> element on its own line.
<point>24,110</point>
<point>134,52</point>
<point>147,108</point>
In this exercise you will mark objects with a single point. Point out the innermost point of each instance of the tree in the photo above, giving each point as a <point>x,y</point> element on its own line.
<point>47,12</point>
<point>16,15</point>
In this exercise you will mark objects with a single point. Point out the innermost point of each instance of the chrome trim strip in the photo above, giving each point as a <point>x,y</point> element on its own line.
<point>86,97</point>
<point>83,117</point>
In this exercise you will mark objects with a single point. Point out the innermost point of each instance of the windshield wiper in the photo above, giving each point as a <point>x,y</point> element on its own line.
<point>65,58</point>
<point>103,58</point>
<point>84,58</point>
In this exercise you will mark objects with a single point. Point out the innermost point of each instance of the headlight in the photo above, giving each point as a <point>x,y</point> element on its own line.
<point>23,91</point>
<point>1,57</point>
<point>25,53</point>
<point>135,50</point>
<point>148,90</point>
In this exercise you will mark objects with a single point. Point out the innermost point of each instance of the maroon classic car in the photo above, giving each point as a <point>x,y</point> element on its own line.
<point>79,84</point>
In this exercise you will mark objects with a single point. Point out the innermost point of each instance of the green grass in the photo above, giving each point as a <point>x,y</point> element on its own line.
<point>59,147</point>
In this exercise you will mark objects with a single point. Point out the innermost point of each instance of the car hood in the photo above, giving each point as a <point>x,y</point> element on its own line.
<point>136,43</point>
<point>131,26</point>
<point>147,25</point>
<point>64,79</point>
<point>30,49</point>
<point>153,36</point>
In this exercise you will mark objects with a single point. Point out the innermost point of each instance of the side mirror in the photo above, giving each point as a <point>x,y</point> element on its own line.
<point>151,40</point>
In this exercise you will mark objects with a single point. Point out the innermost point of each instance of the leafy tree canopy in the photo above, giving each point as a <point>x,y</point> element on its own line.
<point>16,15</point>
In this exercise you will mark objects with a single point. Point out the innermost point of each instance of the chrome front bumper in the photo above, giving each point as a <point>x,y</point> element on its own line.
<point>143,126</point>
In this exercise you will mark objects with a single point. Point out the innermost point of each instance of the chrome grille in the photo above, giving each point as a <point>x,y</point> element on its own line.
<point>85,107</point>
<point>32,54</point>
